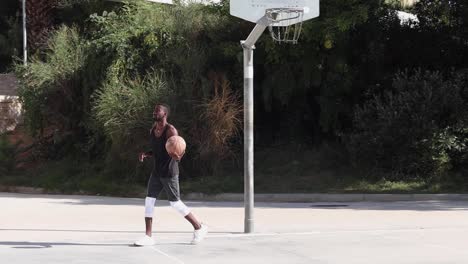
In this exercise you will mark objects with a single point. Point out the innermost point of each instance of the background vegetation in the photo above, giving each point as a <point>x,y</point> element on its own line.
<point>365,102</point>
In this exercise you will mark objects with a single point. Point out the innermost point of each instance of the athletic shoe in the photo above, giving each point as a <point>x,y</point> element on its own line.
<point>199,235</point>
<point>145,241</point>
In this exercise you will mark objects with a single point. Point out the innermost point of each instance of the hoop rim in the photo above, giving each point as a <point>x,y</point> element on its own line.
<point>294,9</point>
<point>283,15</point>
<point>285,24</point>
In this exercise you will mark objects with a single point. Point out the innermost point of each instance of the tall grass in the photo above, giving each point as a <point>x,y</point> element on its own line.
<point>222,120</point>
<point>46,79</point>
<point>124,107</point>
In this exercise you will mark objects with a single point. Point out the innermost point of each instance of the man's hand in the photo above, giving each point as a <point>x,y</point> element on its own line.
<point>175,156</point>
<point>142,156</point>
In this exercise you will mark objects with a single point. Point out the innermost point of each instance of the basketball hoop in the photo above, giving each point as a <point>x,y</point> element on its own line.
<point>285,24</point>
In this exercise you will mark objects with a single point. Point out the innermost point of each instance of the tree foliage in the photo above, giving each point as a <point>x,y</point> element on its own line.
<point>416,128</point>
<point>97,81</point>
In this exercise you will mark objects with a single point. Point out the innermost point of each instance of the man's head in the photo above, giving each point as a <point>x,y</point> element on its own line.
<point>161,112</point>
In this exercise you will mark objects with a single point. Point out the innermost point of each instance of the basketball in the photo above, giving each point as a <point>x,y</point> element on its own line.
<point>176,145</point>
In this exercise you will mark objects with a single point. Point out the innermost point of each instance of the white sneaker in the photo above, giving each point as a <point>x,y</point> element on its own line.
<point>145,241</point>
<point>199,235</point>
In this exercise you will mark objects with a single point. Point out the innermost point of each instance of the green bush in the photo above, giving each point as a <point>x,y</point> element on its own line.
<point>415,130</point>
<point>181,43</point>
<point>123,108</point>
<point>48,87</point>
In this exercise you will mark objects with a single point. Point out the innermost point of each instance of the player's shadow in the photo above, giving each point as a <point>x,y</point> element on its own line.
<point>41,245</point>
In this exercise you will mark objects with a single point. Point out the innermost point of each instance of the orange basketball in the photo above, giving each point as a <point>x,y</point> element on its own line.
<point>176,145</point>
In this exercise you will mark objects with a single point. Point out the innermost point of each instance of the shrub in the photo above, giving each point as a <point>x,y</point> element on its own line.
<point>219,121</point>
<point>413,129</point>
<point>123,107</point>
<point>47,88</point>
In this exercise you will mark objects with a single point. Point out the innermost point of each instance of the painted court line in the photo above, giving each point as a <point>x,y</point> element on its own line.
<point>433,245</point>
<point>338,232</point>
<point>167,255</point>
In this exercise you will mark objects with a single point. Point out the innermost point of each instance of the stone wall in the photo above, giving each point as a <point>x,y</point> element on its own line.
<point>408,3</point>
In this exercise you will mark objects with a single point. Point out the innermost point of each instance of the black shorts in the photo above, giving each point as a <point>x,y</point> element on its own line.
<point>170,185</point>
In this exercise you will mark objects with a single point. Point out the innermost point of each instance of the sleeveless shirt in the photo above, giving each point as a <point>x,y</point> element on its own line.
<point>164,165</point>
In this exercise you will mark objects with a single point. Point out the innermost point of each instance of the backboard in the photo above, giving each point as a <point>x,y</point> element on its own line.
<point>254,10</point>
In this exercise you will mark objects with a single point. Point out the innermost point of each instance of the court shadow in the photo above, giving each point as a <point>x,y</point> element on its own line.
<point>425,205</point>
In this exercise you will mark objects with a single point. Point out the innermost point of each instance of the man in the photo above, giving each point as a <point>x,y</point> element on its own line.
<point>165,175</point>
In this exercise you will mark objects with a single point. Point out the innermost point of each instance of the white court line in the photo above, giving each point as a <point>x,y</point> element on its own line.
<point>428,244</point>
<point>422,229</point>
<point>260,234</point>
<point>167,255</point>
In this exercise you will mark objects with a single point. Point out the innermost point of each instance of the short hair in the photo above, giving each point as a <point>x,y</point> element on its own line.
<point>166,108</point>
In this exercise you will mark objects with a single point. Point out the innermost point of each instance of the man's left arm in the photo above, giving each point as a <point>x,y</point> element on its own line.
<point>172,131</point>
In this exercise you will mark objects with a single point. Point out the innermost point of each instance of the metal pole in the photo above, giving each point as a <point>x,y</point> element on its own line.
<point>248,141</point>
<point>248,46</point>
<point>25,46</point>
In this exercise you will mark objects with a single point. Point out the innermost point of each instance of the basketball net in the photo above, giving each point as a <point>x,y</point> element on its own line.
<point>281,26</point>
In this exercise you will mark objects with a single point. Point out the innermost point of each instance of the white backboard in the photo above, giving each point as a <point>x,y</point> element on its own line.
<point>254,10</point>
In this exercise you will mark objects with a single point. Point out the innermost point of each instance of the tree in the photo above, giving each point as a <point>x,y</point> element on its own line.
<point>39,22</point>
<point>10,33</point>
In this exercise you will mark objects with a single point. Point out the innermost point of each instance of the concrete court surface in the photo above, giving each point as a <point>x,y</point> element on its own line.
<point>54,229</point>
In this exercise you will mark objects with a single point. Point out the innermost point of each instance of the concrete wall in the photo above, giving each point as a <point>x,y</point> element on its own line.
<point>10,107</point>
<point>408,2</point>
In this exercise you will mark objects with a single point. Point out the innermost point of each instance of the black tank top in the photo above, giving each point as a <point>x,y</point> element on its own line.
<point>164,165</point>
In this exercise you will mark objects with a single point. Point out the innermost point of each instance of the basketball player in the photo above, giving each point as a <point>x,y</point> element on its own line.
<point>165,175</point>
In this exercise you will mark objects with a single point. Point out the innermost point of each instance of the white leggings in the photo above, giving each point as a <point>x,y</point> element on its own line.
<point>179,206</point>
